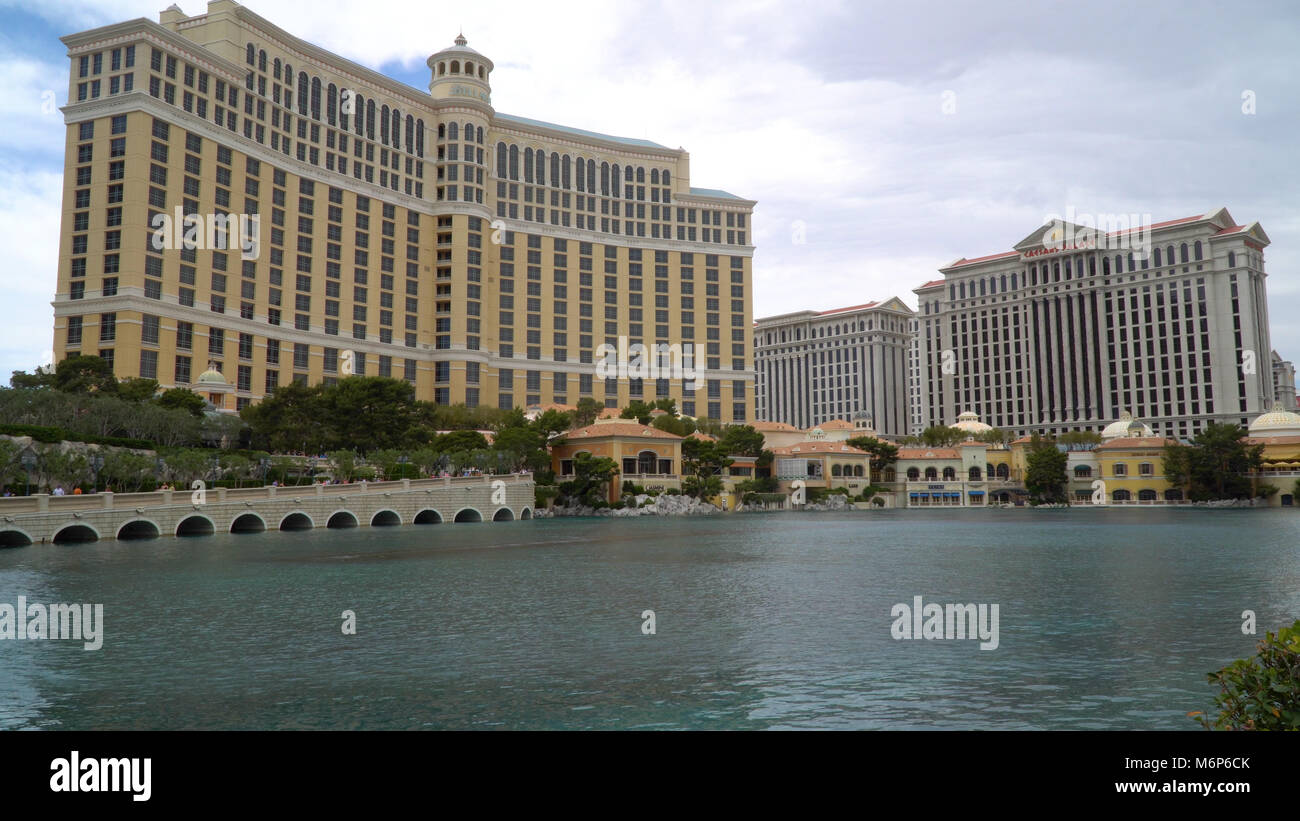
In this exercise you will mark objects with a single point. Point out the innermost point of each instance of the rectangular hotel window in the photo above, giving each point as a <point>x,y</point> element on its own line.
<point>107,327</point>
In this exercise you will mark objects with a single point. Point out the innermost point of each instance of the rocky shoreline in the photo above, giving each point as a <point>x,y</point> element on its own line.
<point>661,505</point>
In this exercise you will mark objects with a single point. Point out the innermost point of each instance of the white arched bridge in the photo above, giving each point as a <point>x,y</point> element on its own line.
<point>43,518</point>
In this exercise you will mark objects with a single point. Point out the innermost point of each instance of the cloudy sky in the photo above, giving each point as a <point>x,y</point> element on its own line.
<point>881,140</point>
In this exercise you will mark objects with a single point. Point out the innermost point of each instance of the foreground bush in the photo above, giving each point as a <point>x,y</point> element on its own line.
<point>1262,692</point>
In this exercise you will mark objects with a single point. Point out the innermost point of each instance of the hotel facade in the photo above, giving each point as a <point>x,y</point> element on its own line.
<point>1068,331</point>
<point>378,229</point>
<point>847,363</point>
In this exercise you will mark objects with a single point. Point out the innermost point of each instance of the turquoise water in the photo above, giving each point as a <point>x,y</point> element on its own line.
<point>1108,619</point>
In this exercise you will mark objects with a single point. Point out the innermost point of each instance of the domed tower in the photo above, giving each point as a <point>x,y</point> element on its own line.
<point>460,72</point>
<point>460,85</point>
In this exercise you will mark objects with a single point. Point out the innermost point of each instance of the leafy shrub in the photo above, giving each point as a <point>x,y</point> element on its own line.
<point>1262,692</point>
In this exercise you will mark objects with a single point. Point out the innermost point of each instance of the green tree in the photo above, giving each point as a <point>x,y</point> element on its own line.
<point>702,464</point>
<point>345,464</point>
<point>41,378</point>
<point>521,447</point>
<point>182,399</point>
<point>126,471</point>
<point>137,389</point>
<point>85,374</point>
<point>942,436</point>
<point>638,410</point>
<point>552,422</point>
<point>742,440</point>
<point>676,425</point>
<point>1262,692</point>
<point>591,478</point>
<point>460,440</point>
<point>883,454</point>
<point>587,411</point>
<point>1219,463</point>
<point>1045,477</point>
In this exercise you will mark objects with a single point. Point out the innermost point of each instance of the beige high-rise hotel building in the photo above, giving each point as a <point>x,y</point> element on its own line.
<point>377,229</point>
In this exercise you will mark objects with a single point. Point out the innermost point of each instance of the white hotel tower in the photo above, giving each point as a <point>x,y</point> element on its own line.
<point>1060,336</point>
<point>846,363</point>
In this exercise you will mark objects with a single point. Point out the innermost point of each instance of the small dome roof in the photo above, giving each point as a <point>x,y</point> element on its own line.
<point>1276,422</point>
<point>1126,425</point>
<point>212,377</point>
<point>969,421</point>
<point>461,49</point>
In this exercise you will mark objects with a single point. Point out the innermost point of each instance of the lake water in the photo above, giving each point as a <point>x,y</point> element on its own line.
<point>1108,619</point>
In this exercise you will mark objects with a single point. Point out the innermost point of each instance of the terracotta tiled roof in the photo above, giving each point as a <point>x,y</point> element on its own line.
<point>775,427</point>
<point>626,428</point>
<point>804,448</point>
<point>928,453</point>
<point>835,424</point>
<point>701,436</point>
<point>934,283</point>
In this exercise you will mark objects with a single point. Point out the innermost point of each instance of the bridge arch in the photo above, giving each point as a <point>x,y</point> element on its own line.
<point>195,524</point>
<point>296,520</point>
<point>14,537</point>
<point>342,518</point>
<point>503,514</point>
<point>525,514</point>
<point>467,514</point>
<point>138,529</point>
<point>428,516</point>
<point>385,518</point>
<point>248,522</point>
<point>75,532</point>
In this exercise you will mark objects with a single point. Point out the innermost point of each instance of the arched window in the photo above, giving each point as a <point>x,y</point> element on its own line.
<point>913,474</point>
<point>604,179</point>
<point>555,169</point>
<point>627,174</point>
<point>528,165</point>
<point>303,88</point>
<point>503,162</point>
<point>1003,471</point>
<point>564,169</point>
<point>1105,266</point>
<point>581,173</point>
<point>370,119</point>
<point>1119,264</point>
<point>410,133</point>
<point>261,60</point>
<point>359,107</point>
<point>835,470</point>
<point>973,474</point>
<point>1146,495</point>
<point>1232,259</point>
<point>288,75</point>
<point>315,98</point>
<point>591,176</point>
<point>1196,251</point>
<point>442,68</point>
<point>857,470</point>
<point>963,290</point>
<point>931,474</point>
<point>469,132</point>
<point>949,474</point>
<point>540,170</point>
<point>455,66</point>
<point>1092,266</point>
<point>481,74</point>
<point>983,287</point>
<point>1056,272</point>
<point>250,54</point>
<point>469,68</point>
<point>1121,496</point>
<point>419,137</point>
<point>640,174</point>
<point>1004,283</point>
<point>453,131</point>
<point>332,104</point>
<point>442,131</point>
<point>275,66</point>
<point>613,176</point>
<point>1156,261</point>
<point>396,131</point>
<point>383,124</point>
<point>667,177</point>
<point>654,176</point>
<point>514,162</point>
<point>1013,282</point>
<point>1182,253</point>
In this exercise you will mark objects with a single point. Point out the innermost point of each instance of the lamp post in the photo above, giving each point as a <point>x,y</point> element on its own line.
<point>28,459</point>
<point>96,465</point>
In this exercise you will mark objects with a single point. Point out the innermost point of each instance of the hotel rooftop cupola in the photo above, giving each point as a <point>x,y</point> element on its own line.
<point>460,73</point>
